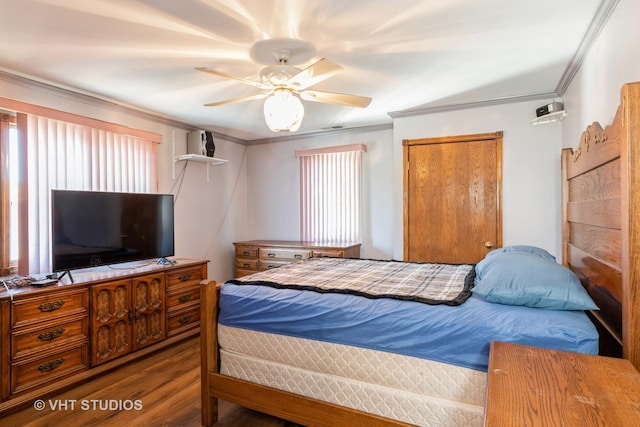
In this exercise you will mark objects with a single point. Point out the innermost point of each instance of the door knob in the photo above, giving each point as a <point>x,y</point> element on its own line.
<point>488,245</point>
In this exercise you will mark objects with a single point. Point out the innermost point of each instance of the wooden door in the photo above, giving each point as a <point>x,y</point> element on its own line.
<point>149,317</point>
<point>452,203</point>
<point>111,331</point>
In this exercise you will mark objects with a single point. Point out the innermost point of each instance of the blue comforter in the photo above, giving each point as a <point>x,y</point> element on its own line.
<point>455,335</point>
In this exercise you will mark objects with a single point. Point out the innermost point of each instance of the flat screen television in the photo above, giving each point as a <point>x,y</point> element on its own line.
<point>92,228</point>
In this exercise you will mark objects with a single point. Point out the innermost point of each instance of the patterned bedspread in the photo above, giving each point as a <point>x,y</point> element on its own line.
<point>428,283</point>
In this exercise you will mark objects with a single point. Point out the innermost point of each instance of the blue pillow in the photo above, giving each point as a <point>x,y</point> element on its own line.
<point>524,248</point>
<point>523,278</point>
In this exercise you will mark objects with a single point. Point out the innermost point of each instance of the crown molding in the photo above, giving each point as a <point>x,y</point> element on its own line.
<point>602,15</point>
<point>77,95</point>
<point>320,133</point>
<point>467,105</point>
<point>600,19</point>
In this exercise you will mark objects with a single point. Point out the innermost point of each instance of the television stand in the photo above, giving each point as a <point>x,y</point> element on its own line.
<point>54,337</point>
<point>165,261</point>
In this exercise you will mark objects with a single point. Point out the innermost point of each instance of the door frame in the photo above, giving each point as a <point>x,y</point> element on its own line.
<point>407,143</point>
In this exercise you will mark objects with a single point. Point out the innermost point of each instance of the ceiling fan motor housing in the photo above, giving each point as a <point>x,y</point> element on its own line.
<point>278,74</point>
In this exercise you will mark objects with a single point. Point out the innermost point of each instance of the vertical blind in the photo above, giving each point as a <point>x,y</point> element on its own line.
<point>69,156</point>
<point>330,194</point>
<point>5,190</point>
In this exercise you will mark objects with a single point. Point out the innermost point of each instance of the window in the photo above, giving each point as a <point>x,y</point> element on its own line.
<point>330,194</point>
<point>67,156</point>
<point>13,195</point>
<point>57,150</point>
<point>8,195</point>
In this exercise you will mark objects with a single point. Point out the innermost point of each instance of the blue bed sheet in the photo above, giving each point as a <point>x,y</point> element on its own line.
<point>455,335</point>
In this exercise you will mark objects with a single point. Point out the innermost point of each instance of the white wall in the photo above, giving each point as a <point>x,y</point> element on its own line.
<point>274,189</point>
<point>209,215</point>
<point>614,59</point>
<point>530,168</point>
<point>531,178</point>
<point>210,208</point>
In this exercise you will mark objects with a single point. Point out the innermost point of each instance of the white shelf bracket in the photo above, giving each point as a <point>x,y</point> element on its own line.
<point>210,161</point>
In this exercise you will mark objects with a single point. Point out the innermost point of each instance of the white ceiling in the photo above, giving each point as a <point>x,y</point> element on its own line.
<point>405,54</point>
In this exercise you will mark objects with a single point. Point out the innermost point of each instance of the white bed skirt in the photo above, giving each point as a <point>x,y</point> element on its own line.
<point>409,389</point>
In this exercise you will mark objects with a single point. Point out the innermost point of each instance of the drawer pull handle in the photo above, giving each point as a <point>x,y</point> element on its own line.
<point>50,366</point>
<point>271,255</point>
<point>272,266</point>
<point>51,335</point>
<point>185,298</point>
<point>185,277</point>
<point>246,253</point>
<point>297,256</point>
<point>246,265</point>
<point>50,306</point>
<point>184,319</point>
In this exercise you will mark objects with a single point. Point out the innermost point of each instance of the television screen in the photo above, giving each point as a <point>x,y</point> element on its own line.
<point>91,228</point>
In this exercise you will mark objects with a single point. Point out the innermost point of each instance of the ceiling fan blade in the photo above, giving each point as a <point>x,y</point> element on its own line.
<point>234,100</point>
<point>336,98</point>
<point>230,76</point>
<point>314,73</point>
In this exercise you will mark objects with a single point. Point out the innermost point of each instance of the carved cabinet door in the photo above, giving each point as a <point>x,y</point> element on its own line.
<point>148,310</point>
<point>111,325</point>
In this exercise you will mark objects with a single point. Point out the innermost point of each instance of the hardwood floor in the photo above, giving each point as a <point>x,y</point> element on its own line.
<point>162,389</point>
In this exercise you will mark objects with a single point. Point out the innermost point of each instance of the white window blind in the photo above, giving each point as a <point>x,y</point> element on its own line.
<point>330,194</point>
<point>69,156</point>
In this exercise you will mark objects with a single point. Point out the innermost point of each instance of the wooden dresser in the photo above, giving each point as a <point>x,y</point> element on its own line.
<point>59,335</point>
<point>529,386</point>
<point>259,255</point>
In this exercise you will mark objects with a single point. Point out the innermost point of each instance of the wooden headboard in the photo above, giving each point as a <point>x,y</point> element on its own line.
<point>601,223</point>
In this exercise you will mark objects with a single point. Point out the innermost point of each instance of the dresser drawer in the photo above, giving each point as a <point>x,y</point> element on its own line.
<point>247,251</point>
<point>290,254</point>
<point>269,264</point>
<point>34,373</point>
<point>184,297</point>
<point>38,339</point>
<point>183,320</point>
<point>246,264</point>
<point>49,306</point>
<point>188,276</point>
<point>328,253</point>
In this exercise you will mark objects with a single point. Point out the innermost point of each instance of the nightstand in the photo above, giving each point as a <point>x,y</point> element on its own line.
<point>530,386</point>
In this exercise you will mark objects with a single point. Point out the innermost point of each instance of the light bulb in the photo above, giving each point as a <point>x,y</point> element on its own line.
<point>283,112</point>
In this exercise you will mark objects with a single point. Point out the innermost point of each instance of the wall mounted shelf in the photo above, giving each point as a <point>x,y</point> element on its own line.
<point>212,161</point>
<point>209,161</point>
<point>550,118</point>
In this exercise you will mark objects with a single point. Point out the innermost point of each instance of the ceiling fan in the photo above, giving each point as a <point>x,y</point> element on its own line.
<point>282,81</point>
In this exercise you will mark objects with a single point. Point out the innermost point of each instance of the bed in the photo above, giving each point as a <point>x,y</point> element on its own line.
<point>251,357</point>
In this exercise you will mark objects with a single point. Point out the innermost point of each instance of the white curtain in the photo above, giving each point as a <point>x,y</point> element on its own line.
<point>330,194</point>
<point>68,156</point>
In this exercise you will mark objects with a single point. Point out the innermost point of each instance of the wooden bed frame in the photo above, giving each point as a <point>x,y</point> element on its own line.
<point>601,223</point>
<point>601,243</point>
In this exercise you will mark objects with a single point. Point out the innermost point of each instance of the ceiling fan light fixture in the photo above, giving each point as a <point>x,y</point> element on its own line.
<point>283,112</point>
<point>284,85</point>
